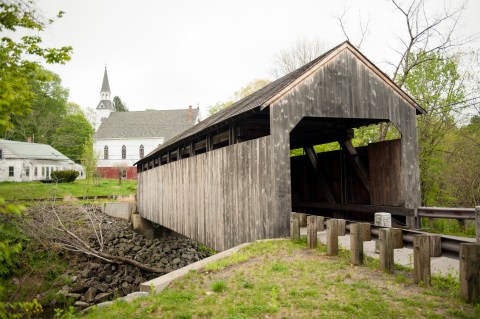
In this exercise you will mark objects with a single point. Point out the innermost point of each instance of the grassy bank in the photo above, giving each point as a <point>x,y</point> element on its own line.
<point>36,190</point>
<point>282,279</point>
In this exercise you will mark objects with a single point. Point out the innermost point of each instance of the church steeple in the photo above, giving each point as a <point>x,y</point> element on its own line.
<point>105,91</point>
<point>105,106</point>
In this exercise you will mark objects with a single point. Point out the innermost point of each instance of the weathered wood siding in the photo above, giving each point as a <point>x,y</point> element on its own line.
<point>220,198</point>
<point>342,88</point>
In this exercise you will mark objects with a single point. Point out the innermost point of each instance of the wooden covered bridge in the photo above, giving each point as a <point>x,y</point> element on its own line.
<point>231,178</point>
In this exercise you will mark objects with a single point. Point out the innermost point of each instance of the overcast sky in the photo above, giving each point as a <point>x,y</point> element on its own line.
<point>171,54</point>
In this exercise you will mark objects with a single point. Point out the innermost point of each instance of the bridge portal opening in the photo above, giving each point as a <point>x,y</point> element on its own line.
<point>332,175</point>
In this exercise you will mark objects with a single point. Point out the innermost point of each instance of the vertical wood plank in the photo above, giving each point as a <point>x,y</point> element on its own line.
<point>367,234</point>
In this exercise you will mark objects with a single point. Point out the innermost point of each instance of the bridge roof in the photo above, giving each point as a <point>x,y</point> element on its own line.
<point>266,95</point>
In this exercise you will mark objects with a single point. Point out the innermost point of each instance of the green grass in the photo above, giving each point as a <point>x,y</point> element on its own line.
<point>36,190</point>
<point>282,279</point>
<point>449,227</point>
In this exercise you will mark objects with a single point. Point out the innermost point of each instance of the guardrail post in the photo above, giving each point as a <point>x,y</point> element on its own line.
<point>356,243</point>
<point>367,233</point>
<point>385,240</point>
<point>311,232</point>
<point>320,223</point>
<point>421,259</point>
<point>435,245</point>
<point>303,219</point>
<point>469,272</point>
<point>332,237</point>
<point>477,222</point>
<point>397,238</point>
<point>342,223</point>
<point>294,226</point>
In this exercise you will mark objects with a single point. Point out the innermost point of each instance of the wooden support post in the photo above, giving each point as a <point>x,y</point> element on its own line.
<point>312,155</point>
<point>342,224</point>
<point>397,238</point>
<point>385,242</point>
<point>312,232</point>
<point>367,233</point>
<point>360,169</point>
<point>477,222</point>
<point>356,243</point>
<point>303,219</point>
<point>421,259</point>
<point>435,245</point>
<point>469,272</point>
<point>332,237</point>
<point>320,223</point>
<point>294,226</point>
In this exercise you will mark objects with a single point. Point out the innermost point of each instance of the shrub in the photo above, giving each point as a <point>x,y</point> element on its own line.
<point>67,176</point>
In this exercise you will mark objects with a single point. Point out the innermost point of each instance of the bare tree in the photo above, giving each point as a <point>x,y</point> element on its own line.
<point>364,27</point>
<point>80,233</point>
<point>301,52</point>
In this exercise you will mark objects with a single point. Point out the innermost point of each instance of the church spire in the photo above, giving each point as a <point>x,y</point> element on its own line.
<point>105,84</point>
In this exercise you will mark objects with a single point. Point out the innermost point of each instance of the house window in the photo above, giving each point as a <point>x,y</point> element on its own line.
<point>105,152</point>
<point>124,173</point>
<point>142,151</point>
<point>1,153</point>
<point>35,171</point>
<point>43,171</point>
<point>11,171</point>
<point>124,152</point>
<point>27,171</point>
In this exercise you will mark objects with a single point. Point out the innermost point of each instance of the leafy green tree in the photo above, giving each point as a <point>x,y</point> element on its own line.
<point>244,91</point>
<point>19,69</point>
<point>47,110</point>
<point>437,85</point>
<point>16,70</point>
<point>71,134</point>
<point>119,105</point>
<point>89,161</point>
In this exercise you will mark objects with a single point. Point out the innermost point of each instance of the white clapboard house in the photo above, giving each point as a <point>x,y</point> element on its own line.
<point>24,161</point>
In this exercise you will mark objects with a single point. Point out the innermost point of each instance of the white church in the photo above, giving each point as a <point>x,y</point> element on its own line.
<point>122,138</point>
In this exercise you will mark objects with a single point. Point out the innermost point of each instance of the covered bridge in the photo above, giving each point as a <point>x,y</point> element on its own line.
<point>231,178</point>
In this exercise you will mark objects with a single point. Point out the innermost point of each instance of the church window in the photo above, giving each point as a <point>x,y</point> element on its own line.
<point>11,171</point>
<point>35,171</point>
<point>105,152</point>
<point>27,171</point>
<point>142,151</point>
<point>124,152</point>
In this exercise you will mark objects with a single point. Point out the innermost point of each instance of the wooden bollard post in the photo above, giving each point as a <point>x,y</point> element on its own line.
<point>421,259</point>
<point>294,226</point>
<point>356,243</point>
<point>397,238</point>
<point>342,223</point>
<point>367,232</point>
<point>435,245</point>
<point>385,240</point>
<point>469,272</point>
<point>303,219</point>
<point>320,223</point>
<point>311,232</point>
<point>332,237</point>
<point>477,222</point>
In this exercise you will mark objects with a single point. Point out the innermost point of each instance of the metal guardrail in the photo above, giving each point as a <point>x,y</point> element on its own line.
<point>446,212</point>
